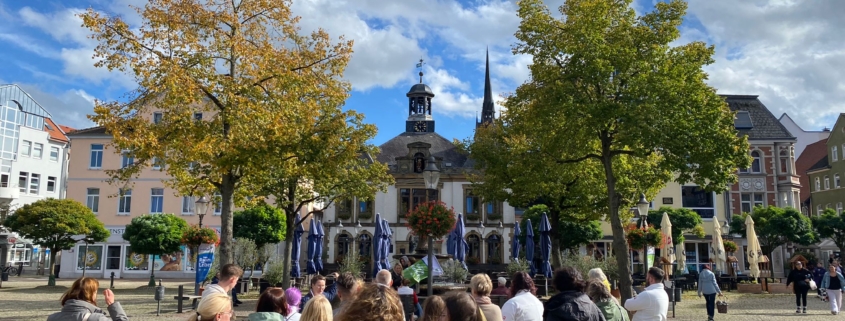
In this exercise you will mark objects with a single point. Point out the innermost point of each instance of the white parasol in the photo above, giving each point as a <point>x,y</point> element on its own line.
<point>754,253</point>
<point>718,248</point>
<point>667,251</point>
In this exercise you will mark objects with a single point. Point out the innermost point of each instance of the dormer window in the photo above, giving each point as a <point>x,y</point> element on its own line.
<point>419,162</point>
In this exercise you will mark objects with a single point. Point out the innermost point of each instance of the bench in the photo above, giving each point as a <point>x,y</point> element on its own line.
<point>182,297</point>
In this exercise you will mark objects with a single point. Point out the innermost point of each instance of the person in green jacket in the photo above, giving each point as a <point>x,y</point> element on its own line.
<point>271,306</point>
<point>608,305</point>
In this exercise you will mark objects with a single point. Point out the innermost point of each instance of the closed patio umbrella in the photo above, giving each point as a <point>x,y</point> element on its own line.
<point>667,250</point>
<point>681,258</point>
<point>545,245</point>
<point>461,248</point>
<point>529,247</point>
<point>377,245</point>
<point>387,240</point>
<point>310,268</point>
<point>515,242</point>
<point>318,256</point>
<point>754,253</point>
<point>295,251</point>
<point>718,248</point>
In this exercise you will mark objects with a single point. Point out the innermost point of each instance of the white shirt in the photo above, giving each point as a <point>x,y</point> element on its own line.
<point>213,288</point>
<point>650,305</point>
<point>405,290</point>
<point>524,306</point>
<point>293,316</point>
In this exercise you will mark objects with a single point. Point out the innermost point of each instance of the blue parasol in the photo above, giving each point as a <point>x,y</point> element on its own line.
<point>545,245</point>
<point>529,246</point>
<point>310,268</point>
<point>515,242</point>
<point>318,256</point>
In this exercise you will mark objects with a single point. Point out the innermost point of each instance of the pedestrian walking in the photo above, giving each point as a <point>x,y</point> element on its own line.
<point>833,283</point>
<point>800,278</point>
<point>708,286</point>
<point>818,274</point>
<point>653,303</point>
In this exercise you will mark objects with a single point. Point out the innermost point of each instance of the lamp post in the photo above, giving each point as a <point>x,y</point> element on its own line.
<point>201,207</point>
<point>431,176</point>
<point>481,247</point>
<point>642,208</point>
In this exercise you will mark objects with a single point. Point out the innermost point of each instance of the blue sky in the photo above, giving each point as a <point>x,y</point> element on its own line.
<point>786,53</point>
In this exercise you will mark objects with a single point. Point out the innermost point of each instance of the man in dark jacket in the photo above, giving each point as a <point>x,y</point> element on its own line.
<point>818,274</point>
<point>571,304</point>
<point>800,278</point>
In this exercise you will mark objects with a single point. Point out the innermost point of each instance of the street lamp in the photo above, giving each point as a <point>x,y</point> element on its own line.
<point>642,208</point>
<point>431,176</point>
<point>500,229</point>
<point>202,207</point>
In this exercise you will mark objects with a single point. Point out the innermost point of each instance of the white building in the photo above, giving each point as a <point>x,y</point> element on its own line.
<point>805,137</point>
<point>33,166</point>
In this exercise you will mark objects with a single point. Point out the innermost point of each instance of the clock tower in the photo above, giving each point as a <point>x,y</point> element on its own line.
<point>419,107</point>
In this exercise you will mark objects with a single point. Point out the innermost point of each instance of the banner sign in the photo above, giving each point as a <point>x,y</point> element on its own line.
<point>205,257</point>
<point>435,269</point>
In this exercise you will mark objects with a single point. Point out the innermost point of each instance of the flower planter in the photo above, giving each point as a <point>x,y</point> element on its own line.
<point>779,288</point>
<point>749,288</point>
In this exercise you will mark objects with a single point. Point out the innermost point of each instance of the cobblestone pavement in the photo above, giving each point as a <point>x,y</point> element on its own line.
<point>28,299</point>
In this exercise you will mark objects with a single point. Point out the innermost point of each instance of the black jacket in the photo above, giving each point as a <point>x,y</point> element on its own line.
<point>799,277</point>
<point>571,306</point>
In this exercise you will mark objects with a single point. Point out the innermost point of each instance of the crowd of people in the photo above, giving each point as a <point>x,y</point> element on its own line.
<point>577,299</point>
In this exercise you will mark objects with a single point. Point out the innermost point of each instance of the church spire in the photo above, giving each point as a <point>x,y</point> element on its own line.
<point>488,111</point>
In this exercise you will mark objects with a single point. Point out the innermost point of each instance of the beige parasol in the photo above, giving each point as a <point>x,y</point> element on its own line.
<point>667,252</point>
<point>682,258</point>
<point>718,248</point>
<point>754,253</point>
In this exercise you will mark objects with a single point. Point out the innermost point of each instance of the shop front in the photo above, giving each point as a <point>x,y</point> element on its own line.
<point>115,255</point>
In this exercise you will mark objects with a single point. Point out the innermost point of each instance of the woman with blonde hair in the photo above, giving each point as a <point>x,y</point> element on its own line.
<point>317,309</point>
<point>374,302</point>
<point>434,309</point>
<point>80,303</point>
<point>480,285</point>
<point>598,274</point>
<point>216,307</point>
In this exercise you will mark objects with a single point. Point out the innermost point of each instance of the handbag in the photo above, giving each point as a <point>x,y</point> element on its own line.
<point>722,305</point>
<point>813,285</point>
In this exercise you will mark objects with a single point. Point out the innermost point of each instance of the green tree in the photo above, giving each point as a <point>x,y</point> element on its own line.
<point>776,226</point>
<point>611,93</point>
<point>684,221</point>
<point>831,225</point>
<point>57,224</point>
<point>569,235</point>
<point>264,93</point>
<point>155,234</point>
<point>263,224</point>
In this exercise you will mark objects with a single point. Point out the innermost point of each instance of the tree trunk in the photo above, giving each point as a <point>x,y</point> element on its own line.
<point>288,247</point>
<point>51,280</point>
<point>620,246</point>
<point>227,192</point>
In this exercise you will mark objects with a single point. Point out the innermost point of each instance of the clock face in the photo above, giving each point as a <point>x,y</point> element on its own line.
<point>420,126</point>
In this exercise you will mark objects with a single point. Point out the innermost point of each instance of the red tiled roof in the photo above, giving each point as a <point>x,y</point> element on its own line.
<point>66,129</point>
<point>811,155</point>
<point>55,132</point>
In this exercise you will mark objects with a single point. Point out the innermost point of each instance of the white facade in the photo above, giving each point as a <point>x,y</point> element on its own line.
<point>805,137</point>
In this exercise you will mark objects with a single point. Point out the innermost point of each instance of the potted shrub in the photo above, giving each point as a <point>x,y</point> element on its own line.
<point>473,260</point>
<point>274,275</point>
<point>730,246</point>
<point>365,215</point>
<point>494,216</point>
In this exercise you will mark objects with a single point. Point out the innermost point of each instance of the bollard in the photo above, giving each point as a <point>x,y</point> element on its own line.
<point>111,284</point>
<point>159,295</point>
<point>179,293</point>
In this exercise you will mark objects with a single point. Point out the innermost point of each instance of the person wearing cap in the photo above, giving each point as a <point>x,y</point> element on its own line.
<point>708,286</point>
<point>501,289</point>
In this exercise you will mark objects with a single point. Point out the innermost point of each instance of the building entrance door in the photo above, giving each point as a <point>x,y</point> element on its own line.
<point>113,255</point>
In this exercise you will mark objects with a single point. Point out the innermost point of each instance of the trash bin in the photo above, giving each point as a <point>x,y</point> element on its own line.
<point>4,276</point>
<point>677,294</point>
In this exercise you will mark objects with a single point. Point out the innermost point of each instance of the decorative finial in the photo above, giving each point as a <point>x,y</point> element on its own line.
<point>420,65</point>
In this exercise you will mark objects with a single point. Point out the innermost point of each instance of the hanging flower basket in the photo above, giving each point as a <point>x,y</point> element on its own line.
<point>431,218</point>
<point>639,238</point>
<point>730,246</point>
<point>195,236</point>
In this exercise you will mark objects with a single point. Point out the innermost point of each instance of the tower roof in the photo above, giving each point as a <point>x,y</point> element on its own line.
<point>488,109</point>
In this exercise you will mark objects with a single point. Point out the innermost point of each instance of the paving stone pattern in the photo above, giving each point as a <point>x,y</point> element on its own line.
<point>23,299</point>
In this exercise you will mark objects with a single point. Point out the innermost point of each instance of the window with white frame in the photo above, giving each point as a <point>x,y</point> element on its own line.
<point>51,184</point>
<point>124,205</point>
<point>37,150</point>
<point>187,205</point>
<point>218,203</point>
<point>756,162</point>
<point>843,151</point>
<point>92,200</point>
<point>126,159</point>
<point>34,183</point>
<point>818,184</point>
<point>96,156</point>
<point>158,163</point>
<point>698,200</point>
<point>54,154</point>
<point>26,148</point>
<point>826,182</point>
<point>157,200</point>
<point>749,201</point>
<point>839,208</point>
<point>23,181</point>
<point>834,153</point>
<point>784,159</point>
<point>819,210</point>
<point>836,180</point>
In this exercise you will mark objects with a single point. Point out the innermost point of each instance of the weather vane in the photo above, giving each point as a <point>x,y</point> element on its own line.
<point>420,65</point>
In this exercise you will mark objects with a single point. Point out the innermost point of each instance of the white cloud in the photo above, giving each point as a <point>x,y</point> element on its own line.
<point>68,108</point>
<point>62,25</point>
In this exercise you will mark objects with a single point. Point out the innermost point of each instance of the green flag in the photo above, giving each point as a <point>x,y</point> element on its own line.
<point>416,272</point>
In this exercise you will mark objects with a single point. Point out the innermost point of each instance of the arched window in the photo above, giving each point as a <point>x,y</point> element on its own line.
<point>756,162</point>
<point>364,245</point>
<point>419,162</point>
<point>474,253</point>
<point>494,249</point>
<point>344,245</point>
